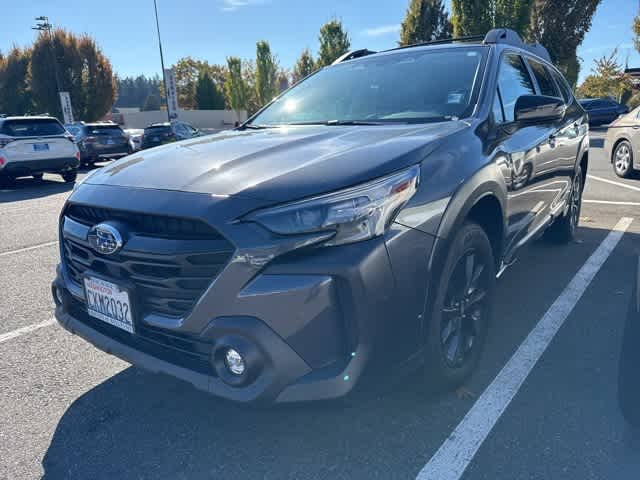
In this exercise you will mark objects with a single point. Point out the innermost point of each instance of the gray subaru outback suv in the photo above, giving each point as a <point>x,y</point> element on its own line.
<point>357,223</point>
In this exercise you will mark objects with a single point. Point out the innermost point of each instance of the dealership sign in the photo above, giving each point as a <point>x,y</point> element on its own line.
<point>67,111</point>
<point>172,93</point>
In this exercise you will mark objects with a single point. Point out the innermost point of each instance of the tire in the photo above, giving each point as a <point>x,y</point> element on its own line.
<point>70,177</point>
<point>563,229</point>
<point>38,176</point>
<point>622,160</point>
<point>461,310</point>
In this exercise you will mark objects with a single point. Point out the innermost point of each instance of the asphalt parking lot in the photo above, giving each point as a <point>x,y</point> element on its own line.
<point>69,411</point>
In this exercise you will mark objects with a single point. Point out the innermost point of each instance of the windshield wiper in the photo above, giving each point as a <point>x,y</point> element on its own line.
<point>353,122</point>
<point>256,127</point>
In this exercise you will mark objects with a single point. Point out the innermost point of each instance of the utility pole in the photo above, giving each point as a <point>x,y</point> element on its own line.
<point>43,25</point>
<point>164,78</point>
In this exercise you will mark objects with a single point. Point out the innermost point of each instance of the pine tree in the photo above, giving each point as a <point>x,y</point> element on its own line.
<point>266,74</point>
<point>304,67</point>
<point>477,17</point>
<point>334,41</point>
<point>207,96</point>
<point>424,21</point>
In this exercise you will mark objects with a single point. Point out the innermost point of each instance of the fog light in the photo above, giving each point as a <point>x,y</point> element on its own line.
<point>234,362</point>
<point>59,295</point>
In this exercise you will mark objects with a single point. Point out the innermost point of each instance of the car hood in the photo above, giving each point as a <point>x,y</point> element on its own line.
<point>278,164</point>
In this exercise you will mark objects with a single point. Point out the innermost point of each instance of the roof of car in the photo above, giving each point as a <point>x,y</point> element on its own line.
<point>497,37</point>
<point>28,117</point>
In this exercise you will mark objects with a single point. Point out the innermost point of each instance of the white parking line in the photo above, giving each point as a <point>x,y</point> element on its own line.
<point>458,450</point>
<point>24,330</point>
<point>609,202</point>
<point>26,249</point>
<point>619,184</point>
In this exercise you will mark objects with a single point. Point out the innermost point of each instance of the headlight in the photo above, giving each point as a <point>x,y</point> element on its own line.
<point>355,214</point>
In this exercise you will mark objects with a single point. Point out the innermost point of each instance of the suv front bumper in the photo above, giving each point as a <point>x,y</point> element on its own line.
<point>307,320</point>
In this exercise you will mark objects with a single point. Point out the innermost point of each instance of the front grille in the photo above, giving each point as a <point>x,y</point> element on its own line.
<point>166,284</point>
<point>157,226</point>
<point>183,350</point>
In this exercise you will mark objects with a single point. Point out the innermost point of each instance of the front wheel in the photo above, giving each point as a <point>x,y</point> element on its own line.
<point>623,159</point>
<point>461,309</point>
<point>563,229</point>
<point>70,177</point>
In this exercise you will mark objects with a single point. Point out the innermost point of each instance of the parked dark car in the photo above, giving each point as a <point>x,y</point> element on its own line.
<point>99,140</point>
<point>161,133</point>
<point>602,110</point>
<point>357,223</point>
<point>629,376</point>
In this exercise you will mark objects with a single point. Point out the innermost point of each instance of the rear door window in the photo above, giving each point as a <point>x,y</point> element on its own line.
<point>565,90</point>
<point>36,127</point>
<point>513,82</point>
<point>545,82</point>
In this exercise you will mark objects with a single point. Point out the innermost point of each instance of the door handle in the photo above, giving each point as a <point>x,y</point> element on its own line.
<point>552,140</point>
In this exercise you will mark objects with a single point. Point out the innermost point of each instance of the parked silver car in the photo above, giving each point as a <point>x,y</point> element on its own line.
<point>622,144</point>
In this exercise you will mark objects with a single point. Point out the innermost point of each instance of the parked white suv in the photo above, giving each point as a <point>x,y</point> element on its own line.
<point>32,146</point>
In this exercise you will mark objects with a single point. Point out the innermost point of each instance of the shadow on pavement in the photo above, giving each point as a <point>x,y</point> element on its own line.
<point>140,425</point>
<point>29,188</point>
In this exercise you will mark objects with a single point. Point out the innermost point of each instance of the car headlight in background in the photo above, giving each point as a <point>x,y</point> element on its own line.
<point>355,214</point>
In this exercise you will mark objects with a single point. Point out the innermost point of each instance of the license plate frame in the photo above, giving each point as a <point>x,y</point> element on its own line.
<point>40,147</point>
<point>117,299</point>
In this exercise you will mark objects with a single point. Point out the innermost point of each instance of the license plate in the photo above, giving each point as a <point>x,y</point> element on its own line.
<point>40,147</point>
<point>110,142</point>
<point>108,302</point>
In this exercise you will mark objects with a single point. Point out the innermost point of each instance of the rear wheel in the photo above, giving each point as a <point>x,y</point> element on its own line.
<point>564,228</point>
<point>623,159</point>
<point>69,177</point>
<point>461,309</point>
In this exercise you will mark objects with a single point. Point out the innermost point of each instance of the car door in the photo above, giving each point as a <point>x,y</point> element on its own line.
<point>557,160</point>
<point>523,149</point>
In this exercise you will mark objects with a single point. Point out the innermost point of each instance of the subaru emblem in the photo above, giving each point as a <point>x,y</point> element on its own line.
<point>105,239</point>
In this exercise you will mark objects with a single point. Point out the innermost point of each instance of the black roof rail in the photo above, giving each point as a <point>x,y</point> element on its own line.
<point>510,37</point>
<point>468,38</point>
<point>363,52</point>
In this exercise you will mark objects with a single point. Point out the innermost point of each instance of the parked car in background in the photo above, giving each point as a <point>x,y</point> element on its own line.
<point>602,110</point>
<point>33,146</point>
<point>99,140</point>
<point>357,222</point>
<point>622,144</point>
<point>135,138</point>
<point>161,133</point>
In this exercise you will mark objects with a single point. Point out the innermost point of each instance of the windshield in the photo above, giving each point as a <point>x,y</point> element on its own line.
<point>73,130</point>
<point>32,127</point>
<point>412,86</point>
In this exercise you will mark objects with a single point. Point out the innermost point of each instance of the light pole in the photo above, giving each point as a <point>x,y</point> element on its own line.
<point>43,25</point>
<point>164,78</point>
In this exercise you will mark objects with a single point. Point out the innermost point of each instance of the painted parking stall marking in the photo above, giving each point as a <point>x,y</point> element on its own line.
<point>458,450</point>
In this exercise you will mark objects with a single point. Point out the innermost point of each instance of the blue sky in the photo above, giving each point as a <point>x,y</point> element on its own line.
<point>214,29</point>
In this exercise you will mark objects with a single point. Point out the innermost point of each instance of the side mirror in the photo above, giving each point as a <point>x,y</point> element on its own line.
<point>538,108</point>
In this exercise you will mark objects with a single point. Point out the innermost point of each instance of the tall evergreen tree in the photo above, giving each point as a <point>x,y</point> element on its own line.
<point>83,70</point>
<point>561,27</point>
<point>15,95</point>
<point>477,17</point>
<point>471,17</point>
<point>207,96</point>
<point>334,41</point>
<point>425,20</point>
<point>636,32</point>
<point>266,74</point>
<point>304,67</point>
<point>234,86</point>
